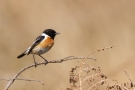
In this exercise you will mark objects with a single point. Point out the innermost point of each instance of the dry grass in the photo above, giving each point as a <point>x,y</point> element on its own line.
<point>86,77</point>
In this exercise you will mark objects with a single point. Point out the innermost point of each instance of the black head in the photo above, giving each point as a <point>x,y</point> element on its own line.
<point>50,32</point>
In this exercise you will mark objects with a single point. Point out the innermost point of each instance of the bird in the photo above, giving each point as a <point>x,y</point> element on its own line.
<point>41,45</point>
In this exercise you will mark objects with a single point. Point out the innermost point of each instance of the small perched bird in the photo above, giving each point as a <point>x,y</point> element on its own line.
<point>41,45</point>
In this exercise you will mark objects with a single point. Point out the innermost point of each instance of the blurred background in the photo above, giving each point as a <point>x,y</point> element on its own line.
<point>84,26</point>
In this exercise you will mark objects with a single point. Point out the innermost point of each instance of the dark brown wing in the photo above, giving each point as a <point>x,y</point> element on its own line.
<point>37,41</point>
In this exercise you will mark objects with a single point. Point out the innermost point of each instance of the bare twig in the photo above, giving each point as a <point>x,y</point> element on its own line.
<point>98,50</point>
<point>5,79</point>
<point>44,63</point>
<point>98,83</point>
<point>101,49</point>
<point>25,80</point>
<point>132,83</point>
<point>128,76</point>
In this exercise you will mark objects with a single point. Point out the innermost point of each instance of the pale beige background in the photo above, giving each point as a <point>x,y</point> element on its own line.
<point>85,25</point>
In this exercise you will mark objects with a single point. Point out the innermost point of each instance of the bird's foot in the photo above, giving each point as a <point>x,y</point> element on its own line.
<point>46,61</point>
<point>35,64</point>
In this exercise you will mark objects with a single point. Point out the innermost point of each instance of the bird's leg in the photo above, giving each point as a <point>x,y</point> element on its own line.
<point>34,61</point>
<point>44,59</point>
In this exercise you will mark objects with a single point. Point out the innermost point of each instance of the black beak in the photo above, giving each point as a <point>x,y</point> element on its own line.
<point>57,33</point>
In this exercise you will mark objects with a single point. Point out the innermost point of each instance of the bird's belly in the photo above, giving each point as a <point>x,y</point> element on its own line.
<point>40,51</point>
<point>43,47</point>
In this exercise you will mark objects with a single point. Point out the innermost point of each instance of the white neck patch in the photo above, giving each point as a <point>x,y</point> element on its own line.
<point>45,35</point>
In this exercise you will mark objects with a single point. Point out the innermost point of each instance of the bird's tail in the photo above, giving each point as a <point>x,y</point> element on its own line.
<point>20,56</point>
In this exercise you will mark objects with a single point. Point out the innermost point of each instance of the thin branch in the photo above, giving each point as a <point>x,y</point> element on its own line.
<point>5,79</point>
<point>98,83</point>
<point>24,80</point>
<point>128,76</point>
<point>44,63</point>
<point>132,83</point>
